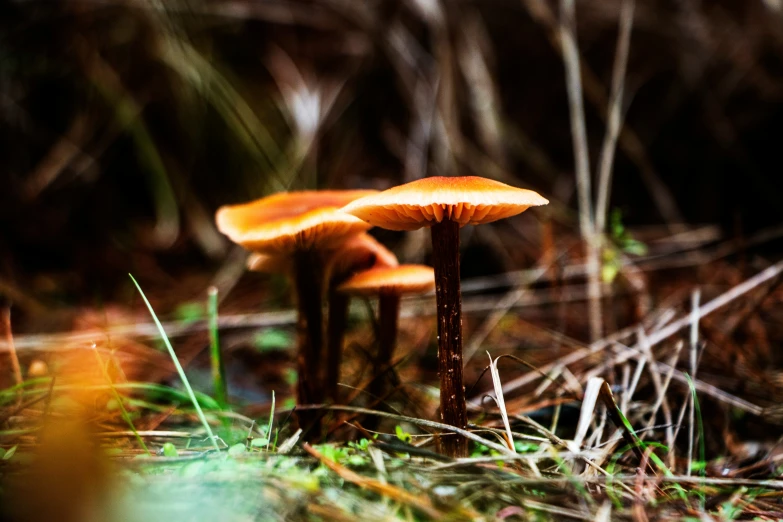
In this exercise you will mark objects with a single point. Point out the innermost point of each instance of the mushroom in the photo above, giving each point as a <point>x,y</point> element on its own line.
<point>358,253</point>
<point>305,240</point>
<point>247,216</point>
<point>389,284</point>
<point>445,204</point>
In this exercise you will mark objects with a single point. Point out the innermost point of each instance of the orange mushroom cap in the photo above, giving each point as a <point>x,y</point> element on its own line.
<point>466,200</point>
<point>319,229</point>
<point>248,216</point>
<point>403,279</point>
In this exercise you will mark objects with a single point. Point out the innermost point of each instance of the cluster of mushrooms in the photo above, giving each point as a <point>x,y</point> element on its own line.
<point>319,238</point>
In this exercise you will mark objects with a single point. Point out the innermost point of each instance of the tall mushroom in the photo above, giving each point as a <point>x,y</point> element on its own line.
<point>358,253</point>
<point>389,284</point>
<point>305,240</point>
<point>445,204</point>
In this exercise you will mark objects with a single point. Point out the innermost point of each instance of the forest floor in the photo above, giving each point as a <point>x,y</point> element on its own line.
<point>674,416</point>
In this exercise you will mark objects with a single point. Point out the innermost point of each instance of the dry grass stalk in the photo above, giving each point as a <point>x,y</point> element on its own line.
<point>661,335</point>
<point>11,349</point>
<point>582,159</point>
<point>614,117</point>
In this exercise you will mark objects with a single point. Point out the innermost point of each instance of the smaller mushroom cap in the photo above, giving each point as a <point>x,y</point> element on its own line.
<point>466,200</point>
<point>247,216</point>
<point>319,229</point>
<point>403,279</point>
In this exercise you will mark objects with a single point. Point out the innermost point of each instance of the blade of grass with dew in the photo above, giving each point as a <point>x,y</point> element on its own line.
<point>123,412</point>
<point>180,370</point>
<point>216,357</point>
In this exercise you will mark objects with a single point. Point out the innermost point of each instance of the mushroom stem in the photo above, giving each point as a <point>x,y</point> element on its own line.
<point>388,312</point>
<point>309,282</point>
<point>453,411</point>
<point>338,312</point>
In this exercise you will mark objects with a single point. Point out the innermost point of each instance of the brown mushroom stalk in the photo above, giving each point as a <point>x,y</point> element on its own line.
<point>446,204</point>
<point>388,317</point>
<point>338,318</point>
<point>309,284</point>
<point>448,298</point>
<point>305,269</point>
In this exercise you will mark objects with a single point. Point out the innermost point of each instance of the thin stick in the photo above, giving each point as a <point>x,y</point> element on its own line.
<point>582,161</point>
<point>695,297</point>
<point>614,118</point>
<point>577,113</point>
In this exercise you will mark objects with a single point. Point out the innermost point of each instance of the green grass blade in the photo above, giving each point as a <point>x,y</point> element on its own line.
<point>218,367</point>
<point>180,370</point>
<point>700,427</point>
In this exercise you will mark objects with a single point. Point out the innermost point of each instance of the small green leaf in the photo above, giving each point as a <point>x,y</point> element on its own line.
<point>170,450</point>
<point>609,272</point>
<point>634,247</point>
<point>290,376</point>
<point>190,312</point>
<point>10,453</point>
<point>357,460</point>
<point>260,442</point>
<point>402,435</point>
<point>525,447</point>
<point>237,449</point>
<point>698,465</point>
<point>361,445</point>
<point>616,223</point>
<point>273,340</point>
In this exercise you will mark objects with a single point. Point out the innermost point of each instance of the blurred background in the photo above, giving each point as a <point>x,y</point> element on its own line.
<point>125,124</point>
